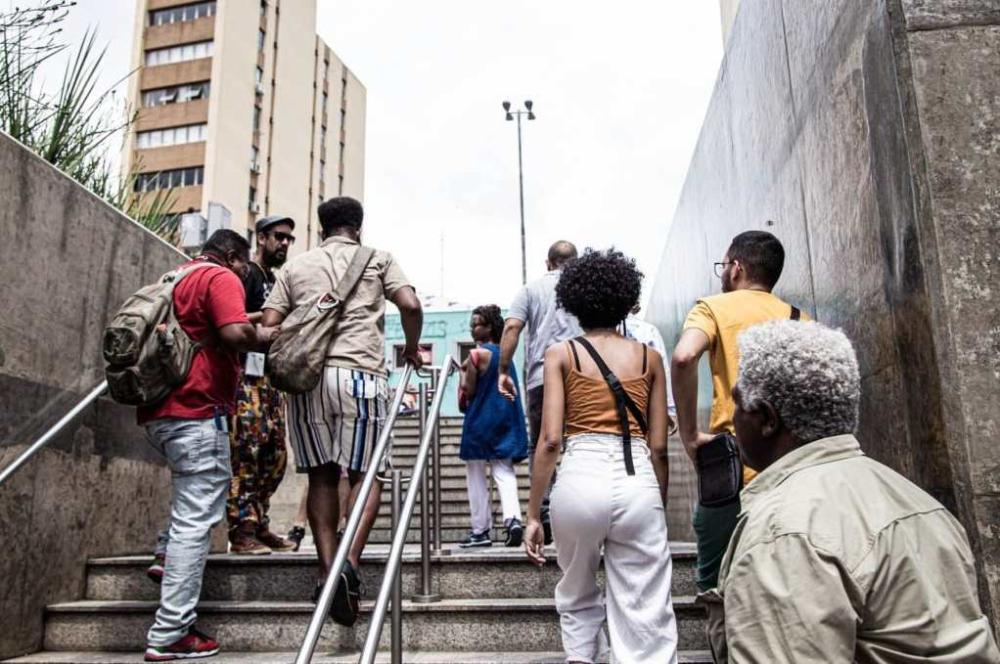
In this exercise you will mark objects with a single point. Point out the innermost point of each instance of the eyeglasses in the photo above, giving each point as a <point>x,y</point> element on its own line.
<point>284,237</point>
<point>720,267</point>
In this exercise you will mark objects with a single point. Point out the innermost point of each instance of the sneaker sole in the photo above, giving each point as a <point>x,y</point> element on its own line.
<point>153,656</point>
<point>476,545</point>
<point>251,552</point>
<point>514,538</point>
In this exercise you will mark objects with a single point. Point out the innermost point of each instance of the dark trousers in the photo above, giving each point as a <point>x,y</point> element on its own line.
<point>713,527</point>
<point>535,395</point>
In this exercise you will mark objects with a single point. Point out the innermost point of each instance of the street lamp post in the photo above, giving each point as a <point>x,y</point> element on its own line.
<point>520,175</point>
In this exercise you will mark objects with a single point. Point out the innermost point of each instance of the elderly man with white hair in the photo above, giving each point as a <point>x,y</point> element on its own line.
<point>835,557</point>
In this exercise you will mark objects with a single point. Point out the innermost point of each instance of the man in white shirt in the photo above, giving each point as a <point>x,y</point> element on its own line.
<point>535,306</point>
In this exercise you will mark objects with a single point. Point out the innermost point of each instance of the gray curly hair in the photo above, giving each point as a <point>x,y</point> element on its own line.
<point>808,372</point>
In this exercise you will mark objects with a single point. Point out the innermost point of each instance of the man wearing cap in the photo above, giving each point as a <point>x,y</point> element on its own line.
<point>257,442</point>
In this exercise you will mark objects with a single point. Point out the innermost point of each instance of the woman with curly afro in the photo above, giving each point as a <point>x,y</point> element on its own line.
<point>612,482</point>
<point>493,433</point>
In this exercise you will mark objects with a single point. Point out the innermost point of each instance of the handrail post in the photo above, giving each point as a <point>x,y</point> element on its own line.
<point>436,461</point>
<point>396,643</point>
<point>308,647</point>
<point>426,594</point>
<point>393,562</point>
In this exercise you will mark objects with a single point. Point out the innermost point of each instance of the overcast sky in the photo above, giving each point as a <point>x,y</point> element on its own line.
<point>620,95</point>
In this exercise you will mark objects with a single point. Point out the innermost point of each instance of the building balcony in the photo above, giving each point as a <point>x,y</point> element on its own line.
<point>183,32</point>
<point>172,115</point>
<point>152,5</point>
<point>162,76</point>
<point>170,157</point>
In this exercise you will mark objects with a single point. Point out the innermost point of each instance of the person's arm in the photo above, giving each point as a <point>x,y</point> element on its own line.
<point>684,375</point>
<point>658,424</point>
<point>508,345</point>
<point>546,451</point>
<point>470,372</point>
<point>786,601</point>
<point>411,316</point>
<point>247,338</point>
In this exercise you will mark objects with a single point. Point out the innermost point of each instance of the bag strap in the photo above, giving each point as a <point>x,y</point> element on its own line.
<point>346,287</point>
<point>796,313</point>
<point>623,403</point>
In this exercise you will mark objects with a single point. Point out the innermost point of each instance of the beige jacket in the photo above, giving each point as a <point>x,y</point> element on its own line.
<point>838,558</point>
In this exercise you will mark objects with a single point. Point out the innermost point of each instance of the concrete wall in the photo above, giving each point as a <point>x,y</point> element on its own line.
<point>863,133</point>
<point>67,262</point>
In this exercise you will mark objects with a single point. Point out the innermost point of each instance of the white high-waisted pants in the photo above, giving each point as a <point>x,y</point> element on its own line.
<point>479,492</point>
<point>596,504</point>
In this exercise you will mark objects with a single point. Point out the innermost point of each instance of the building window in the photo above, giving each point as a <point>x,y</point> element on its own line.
<point>261,38</point>
<point>183,13</point>
<point>253,195</point>
<point>464,348</point>
<point>171,136</point>
<point>325,98</point>
<point>171,54</point>
<point>263,7</point>
<point>178,177</point>
<point>322,136</point>
<point>256,118</point>
<point>176,94</point>
<point>340,185</point>
<point>426,353</point>
<point>259,76</point>
<point>322,172</point>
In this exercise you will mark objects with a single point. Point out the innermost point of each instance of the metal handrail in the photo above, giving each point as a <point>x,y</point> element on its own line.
<point>399,535</point>
<point>333,576</point>
<point>35,447</point>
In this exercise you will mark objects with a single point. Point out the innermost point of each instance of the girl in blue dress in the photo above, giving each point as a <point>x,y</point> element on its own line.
<point>494,432</point>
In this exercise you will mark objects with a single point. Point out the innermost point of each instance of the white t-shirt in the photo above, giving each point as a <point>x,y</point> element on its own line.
<point>547,323</point>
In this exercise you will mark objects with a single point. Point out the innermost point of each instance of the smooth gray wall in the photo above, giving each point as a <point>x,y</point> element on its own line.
<point>67,260</point>
<point>864,134</point>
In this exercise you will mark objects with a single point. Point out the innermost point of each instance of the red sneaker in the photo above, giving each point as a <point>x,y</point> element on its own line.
<point>155,571</point>
<point>194,645</point>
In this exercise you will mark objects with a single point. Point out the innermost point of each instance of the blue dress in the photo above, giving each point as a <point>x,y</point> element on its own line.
<point>494,428</point>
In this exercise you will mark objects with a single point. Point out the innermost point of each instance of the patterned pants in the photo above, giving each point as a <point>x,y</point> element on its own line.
<point>258,453</point>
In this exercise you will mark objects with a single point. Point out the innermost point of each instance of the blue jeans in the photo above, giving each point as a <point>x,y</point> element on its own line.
<point>197,453</point>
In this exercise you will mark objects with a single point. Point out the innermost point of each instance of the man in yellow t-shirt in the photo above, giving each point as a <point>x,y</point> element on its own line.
<point>749,271</point>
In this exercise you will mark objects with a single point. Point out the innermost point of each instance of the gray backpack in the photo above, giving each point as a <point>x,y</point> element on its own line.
<point>147,352</point>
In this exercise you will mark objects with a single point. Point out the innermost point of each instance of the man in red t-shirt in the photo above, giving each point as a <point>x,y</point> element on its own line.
<point>189,428</point>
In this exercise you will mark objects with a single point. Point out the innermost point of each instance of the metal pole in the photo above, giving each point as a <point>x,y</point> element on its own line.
<point>520,183</point>
<point>436,460</point>
<point>392,565</point>
<point>426,595</point>
<point>396,643</point>
<point>53,430</point>
<point>354,520</point>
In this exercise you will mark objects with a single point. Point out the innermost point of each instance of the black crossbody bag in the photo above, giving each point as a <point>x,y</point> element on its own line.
<point>720,469</point>
<point>623,403</point>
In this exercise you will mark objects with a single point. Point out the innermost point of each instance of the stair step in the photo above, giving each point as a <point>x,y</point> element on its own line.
<point>496,572</point>
<point>454,625</point>
<point>229,657</point>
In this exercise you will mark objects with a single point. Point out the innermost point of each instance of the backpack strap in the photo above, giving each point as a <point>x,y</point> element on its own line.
<point>623,404</point>
<point>174,277</point>
<point>362,257</point>
<point>796,313</point>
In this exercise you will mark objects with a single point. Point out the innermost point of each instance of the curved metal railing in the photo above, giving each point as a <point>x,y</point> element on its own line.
<point>52,431</point>
<point>333,577</point>
<point>390,585</point>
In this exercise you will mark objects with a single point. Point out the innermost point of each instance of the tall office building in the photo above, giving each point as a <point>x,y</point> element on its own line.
<point>241,105</point>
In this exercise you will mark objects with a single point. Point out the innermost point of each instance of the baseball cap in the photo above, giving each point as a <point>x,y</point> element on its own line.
<point>264,223</point>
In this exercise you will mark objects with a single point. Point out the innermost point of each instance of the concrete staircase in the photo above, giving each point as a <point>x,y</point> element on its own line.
<point>496,607</point>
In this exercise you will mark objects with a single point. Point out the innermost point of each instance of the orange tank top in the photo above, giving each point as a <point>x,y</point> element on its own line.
<point>590,404</point>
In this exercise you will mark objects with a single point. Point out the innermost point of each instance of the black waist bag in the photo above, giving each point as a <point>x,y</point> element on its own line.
<point>720,471</point>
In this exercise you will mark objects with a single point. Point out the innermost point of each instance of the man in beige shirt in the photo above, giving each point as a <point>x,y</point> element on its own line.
<point>835,557</point>
<point>336,425</point>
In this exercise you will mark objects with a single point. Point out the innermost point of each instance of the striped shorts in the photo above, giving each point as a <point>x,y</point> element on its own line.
<point>339,421</point>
